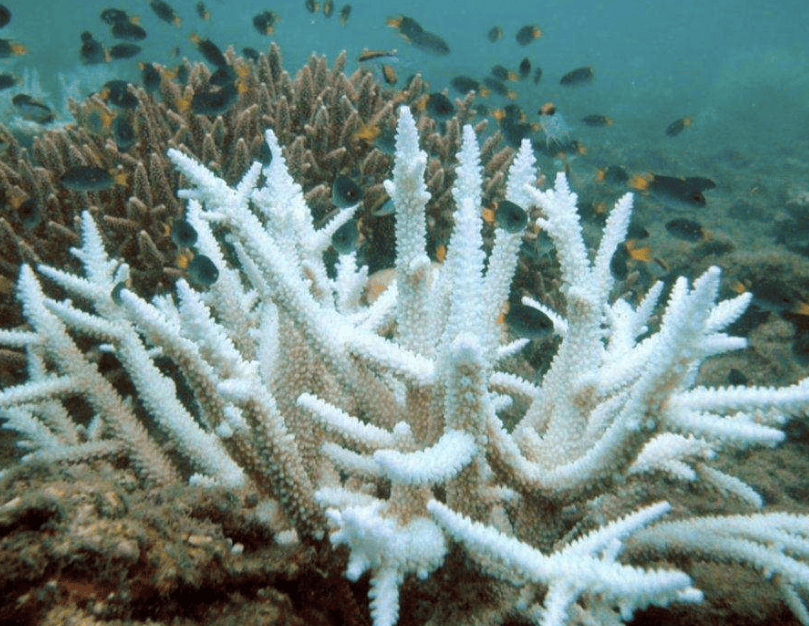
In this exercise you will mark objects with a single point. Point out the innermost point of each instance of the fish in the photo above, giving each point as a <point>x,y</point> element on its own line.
<point>182,233</point>
<point>202,271</point>
<point>149,76</point>
<point>537,75</point>
<point>265,22</point>
<point>90,178</point>
<point>345,192</point>
<point>678,126</point>
<point>579,76</point>
<point>369,55</point>
<point>688,190</point>
<point>614,174</point>
<point>412,32</point>
<point>311,6</point>
<point>389,74</point>
<point>525,68</point>
<point>502,73</point>
<point>511,217</point>
<point>117,92</point>
<point>202,11</point>
<point>596,120</point>
<point>250,53</point>
<point>527,34</point>
<point>685,229</point>
<point>345,239</point>
<point>165,12</point>
<point>465,84</point>
<point>209,50</point>
<point>32,110</point>
<point>10,48</point>
<point>124,51</point>
<point>5,16</point>
<point>495,34</point>
<point>91,51</point>
<point>8,80</point>
<point>111,16</point>
<point>345,12</point>
<point>328,8</point>
<point>528,322</point>
<point>128,31</point>
<point>440,107</point>
<point>499,88</point>
<point>123,133</point>
<point>214,102</point>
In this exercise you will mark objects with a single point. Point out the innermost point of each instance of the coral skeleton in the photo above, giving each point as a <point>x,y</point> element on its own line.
<point>380,425</point>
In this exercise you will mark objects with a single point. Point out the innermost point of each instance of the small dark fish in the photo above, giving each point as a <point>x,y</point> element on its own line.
<point>202,271</point>
<point>117,92</point>
<point>182,233</point>
<point>250,53</point>
<point>10,48</point>
<point>525,68</point>
<point>614,174</point>
<point>5,16</point>
<point>86,178</point>
<point>537,75</point>
<point>345,192</point>
<point>527,34</point>
<point>389,74</point>
<point>29,213</point>
<point>209,50</point>
<point>7,81</point>
<point>124,51</point>
<point>328,8</point>
<point>214,102</point>
<point>407,26</point>
<point>528,322</point>
<point>499,88</point>
<point>369,55</point>
<point>202,11</point>
<point>465,84</point>
<point>91,52</point>
<point>149,76</point>
<point>346,237</point>
<point>688,190</point>
<point>511,217</point>
<point>112,16</point>
<point>678,126</point>
<point>123,133</point>
<point>432,43</point>
<point>501,73</point>
<point>164,11</point>
<point>265,22</point>
<point>32,110</point>
<point>685,229</point>
<point>345,12</point>
<point>440,107</point>
<point>495,34</point>
<point>579,76</point>
<point>128,31</point>
<point>596,120</point>
<point>413,33</point>
<point>311,6</point>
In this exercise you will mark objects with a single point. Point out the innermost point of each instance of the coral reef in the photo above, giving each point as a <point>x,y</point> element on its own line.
<point>380,425</point>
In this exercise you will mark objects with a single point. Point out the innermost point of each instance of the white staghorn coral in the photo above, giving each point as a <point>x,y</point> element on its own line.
<point>396,444</point>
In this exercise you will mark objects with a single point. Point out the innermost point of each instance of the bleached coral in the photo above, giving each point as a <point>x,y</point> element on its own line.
<point>395,444</point>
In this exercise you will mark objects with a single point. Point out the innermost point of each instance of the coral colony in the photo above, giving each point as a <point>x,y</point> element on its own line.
<point>380,425</point>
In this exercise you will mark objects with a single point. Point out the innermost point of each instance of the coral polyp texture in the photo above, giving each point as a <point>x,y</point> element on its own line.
<point>379,425</point>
